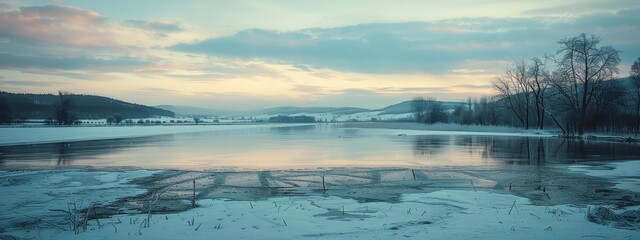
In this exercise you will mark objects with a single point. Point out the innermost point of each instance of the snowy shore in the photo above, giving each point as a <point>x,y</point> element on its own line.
<point>20,136</point>
<point>450,128</point>
<point>481,202</point>
<point>451,203</point>
<point>626,175</point>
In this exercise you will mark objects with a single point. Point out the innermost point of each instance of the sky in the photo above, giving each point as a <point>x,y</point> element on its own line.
<point>249,54</point>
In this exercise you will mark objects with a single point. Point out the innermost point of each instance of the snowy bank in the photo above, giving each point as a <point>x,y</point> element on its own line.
<point>446,214</point>
<point>624,174</point>
<point>449,129</point>
<point>267,210</point>
<point>19,136</point>
<point>28,197</point>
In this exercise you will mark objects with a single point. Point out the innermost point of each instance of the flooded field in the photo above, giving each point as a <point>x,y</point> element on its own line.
<point>281,181</point>
<point>313,146</point>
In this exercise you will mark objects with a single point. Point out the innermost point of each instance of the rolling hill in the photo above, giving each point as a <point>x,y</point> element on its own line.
<point>43,106</point>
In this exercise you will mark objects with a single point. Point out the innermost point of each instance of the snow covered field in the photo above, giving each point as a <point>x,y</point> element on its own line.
<point>447,129</point>
<point>18,136</point>
<point>36,135</point>
<point>445,214</point>
<point>288,205</point>
<point>31,196</point>
<point>626,175</point>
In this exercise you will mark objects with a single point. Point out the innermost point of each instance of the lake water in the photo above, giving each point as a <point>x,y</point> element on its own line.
<point>313,146</point>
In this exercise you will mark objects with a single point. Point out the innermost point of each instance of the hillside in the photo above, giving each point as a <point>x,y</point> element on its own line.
<point>288,110</point>
<point>405,107</point>
<point>187,111</point>
<point>310,110</point>
<point>43,106</point>
<point>395,109</point>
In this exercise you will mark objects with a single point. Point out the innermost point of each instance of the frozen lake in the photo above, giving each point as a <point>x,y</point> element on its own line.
<point>313,146</point>
<point>313,181</point>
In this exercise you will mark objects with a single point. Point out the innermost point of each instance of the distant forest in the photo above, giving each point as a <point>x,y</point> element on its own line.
<point>575,90</point>
<point>65,108</point>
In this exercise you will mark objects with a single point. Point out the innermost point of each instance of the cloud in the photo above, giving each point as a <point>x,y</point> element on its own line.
<point>468,71</point>
<point>156,26</point>
<point>76,27</point>
<point>155,91</point>
<point>33,83</point>
<point>482,86</point>
<point>4,7</point>
<point>433,47</point>
<point>369,52</point>
<point>56,25</point>
<point>70,63</point>
<point>302,67</point>
<point>61,39</point>
<point>309,89</point>
<point>584,8</point>
<point>412,90</point>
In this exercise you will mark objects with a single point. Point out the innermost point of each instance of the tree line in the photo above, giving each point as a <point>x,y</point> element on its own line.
<point>62,114</point>
<point>575,90</point>
<point>66,108</point>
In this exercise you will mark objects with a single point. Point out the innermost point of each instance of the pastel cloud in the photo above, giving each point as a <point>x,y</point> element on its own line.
<point>162,26</point>
<point>64,38</point>
<point>429,47</point>
<point>56,25</point>
<point>360,61</point>
<point>69,63</point>
<point>76,27</point>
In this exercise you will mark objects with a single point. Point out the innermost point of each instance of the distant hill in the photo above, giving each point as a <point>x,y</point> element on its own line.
<point>310,110</point>
<point>43,106</point>
<point>399,108</point>
<point>405,107</point>
<point>288,110</point>
<point>186,111</point>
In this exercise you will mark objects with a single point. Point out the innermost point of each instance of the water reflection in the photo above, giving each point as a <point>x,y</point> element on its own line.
<point>293,129</point>
<point>66,153</point>
<point>429,145</point>
<point>522,150</point>
<point>312,146</point>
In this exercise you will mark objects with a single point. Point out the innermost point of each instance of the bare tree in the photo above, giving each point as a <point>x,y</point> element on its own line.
<point>608,102</point>
<point>635,78</point>
<point>419,108</point>
<point>117,119</point>
<point>582,67</point>
<point>515,91</point>
<point>63,111</point>
<point>6,115</point>
<point>436,112</point>
<point>485,112</point>
<point>538,83</point>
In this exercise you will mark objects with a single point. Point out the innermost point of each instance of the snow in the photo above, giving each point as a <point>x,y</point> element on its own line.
<point>333,117</point>
<point>33,135</point>
<point>451,128</point>
<point>623,174</point>
<point>446,214</point>
<point>359,116</point>
<point>36,135</point>
<point>418,132</point>
<point>30,195</point>
<point>443,214</point>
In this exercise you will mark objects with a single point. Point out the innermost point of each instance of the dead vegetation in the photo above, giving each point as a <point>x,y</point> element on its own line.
<point>607,216</point>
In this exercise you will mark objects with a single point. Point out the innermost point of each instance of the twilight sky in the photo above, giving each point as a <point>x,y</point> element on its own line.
<point>248,54</point>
